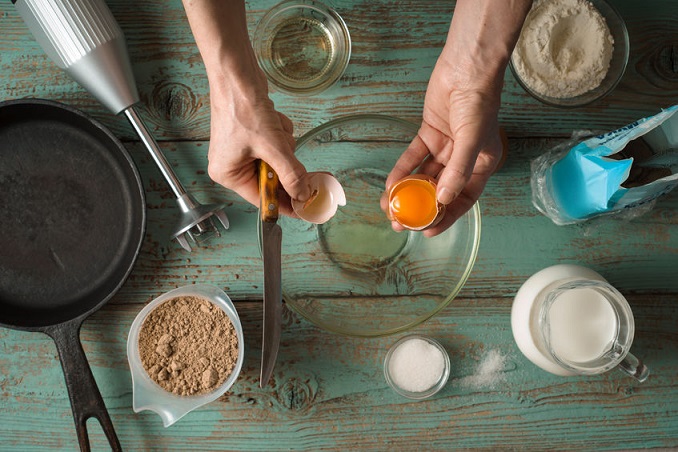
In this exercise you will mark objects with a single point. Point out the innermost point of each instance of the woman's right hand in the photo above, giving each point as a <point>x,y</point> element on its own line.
<point>245,127</point>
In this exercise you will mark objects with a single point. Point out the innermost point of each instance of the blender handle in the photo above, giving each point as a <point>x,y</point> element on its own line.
<point>83,38</point>
<point>634,367</point>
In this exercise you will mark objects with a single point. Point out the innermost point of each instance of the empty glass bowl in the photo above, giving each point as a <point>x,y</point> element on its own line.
<point>620,57</point>
<point>354,275</point>
<point>302,46</point>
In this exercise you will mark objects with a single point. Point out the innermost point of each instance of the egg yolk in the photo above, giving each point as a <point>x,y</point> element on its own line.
<point>413,203</point>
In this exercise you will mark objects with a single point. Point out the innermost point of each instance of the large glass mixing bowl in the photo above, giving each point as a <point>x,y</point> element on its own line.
<point>354,275</point>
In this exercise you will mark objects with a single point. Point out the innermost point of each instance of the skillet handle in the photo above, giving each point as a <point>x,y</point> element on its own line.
<point>86,400</point>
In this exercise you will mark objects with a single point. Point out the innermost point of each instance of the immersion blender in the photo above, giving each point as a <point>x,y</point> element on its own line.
<point>83,38</point>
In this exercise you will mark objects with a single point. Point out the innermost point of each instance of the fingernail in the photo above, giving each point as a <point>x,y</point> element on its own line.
<point>304,194</point>
<point>445,196</point>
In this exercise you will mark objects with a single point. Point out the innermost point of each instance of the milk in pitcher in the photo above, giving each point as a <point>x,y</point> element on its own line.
<point>568,320</point>
<point>582,325</point>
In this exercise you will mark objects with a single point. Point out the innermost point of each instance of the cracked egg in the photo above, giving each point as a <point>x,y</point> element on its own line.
<point>412,203</point>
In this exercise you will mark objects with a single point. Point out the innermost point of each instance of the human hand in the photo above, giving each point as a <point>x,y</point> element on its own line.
<point>459,142</point>
<point>246,127</point>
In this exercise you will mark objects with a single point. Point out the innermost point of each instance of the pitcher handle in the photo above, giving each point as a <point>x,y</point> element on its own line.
<point>634,367</point>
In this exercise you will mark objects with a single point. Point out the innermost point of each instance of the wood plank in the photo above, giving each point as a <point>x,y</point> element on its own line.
<point>395,46</point>
<point>516,240</point>
<point>328,391</point>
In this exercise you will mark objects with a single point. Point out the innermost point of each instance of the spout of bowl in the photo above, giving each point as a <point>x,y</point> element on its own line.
<point>168,414</point>
<point>170,407</point>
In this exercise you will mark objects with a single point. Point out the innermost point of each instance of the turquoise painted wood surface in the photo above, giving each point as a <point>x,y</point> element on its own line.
<point>328,391</point>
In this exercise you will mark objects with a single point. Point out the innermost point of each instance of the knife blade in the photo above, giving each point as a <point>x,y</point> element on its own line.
<point>271,241</point>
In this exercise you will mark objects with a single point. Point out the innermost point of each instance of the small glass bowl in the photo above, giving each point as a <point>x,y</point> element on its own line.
<point>148,395</point>
<point>620,58</point>
<point>435,388</point>
<point>303,46</point>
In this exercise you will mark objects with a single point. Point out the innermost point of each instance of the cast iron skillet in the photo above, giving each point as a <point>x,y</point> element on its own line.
<point>72,219</point>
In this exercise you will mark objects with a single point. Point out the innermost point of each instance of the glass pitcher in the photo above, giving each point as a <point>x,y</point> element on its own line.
<point>568,320</point>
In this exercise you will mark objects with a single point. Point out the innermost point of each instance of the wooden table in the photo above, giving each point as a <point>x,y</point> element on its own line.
<point>328,391</point>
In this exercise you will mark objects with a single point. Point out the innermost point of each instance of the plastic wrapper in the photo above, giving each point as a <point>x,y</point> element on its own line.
<point>620,172</point>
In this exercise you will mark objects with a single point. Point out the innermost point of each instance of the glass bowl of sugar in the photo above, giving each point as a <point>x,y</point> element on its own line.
<point>570,53</point>
<point>417,367</point>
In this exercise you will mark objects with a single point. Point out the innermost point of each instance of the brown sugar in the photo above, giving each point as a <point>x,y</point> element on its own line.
<point>188,345</point>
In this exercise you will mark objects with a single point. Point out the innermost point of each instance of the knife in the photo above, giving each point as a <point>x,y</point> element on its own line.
<point>271,240</point>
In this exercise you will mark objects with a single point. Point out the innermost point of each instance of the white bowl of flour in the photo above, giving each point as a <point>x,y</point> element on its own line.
<point>570,52</point>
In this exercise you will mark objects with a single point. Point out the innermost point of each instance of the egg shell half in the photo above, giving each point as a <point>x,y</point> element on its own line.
<point>327,196</point>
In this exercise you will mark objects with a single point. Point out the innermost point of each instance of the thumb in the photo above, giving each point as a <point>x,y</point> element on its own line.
<point>293,180</point>
<point>291,174</point>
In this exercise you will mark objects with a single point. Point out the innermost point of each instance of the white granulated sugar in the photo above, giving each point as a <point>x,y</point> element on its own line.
<point>416,365</point>
<point>564,49</point>
<point>489,372</point>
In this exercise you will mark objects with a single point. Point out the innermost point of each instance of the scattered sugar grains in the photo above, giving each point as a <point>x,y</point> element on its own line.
<point>416,365</point>
<point>488,373</point>
<point>188,345</point>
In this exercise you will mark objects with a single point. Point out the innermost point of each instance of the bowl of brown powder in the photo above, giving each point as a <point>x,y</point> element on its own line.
<point>570,52</point>
<point>185,349</point>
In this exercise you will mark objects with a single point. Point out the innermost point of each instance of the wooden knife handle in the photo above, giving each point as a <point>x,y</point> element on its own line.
<point>268,192</point>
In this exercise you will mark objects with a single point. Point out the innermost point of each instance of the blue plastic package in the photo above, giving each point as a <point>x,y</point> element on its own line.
<point>624,170</point>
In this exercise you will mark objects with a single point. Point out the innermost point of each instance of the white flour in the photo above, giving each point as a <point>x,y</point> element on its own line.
<point>564,49</point>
